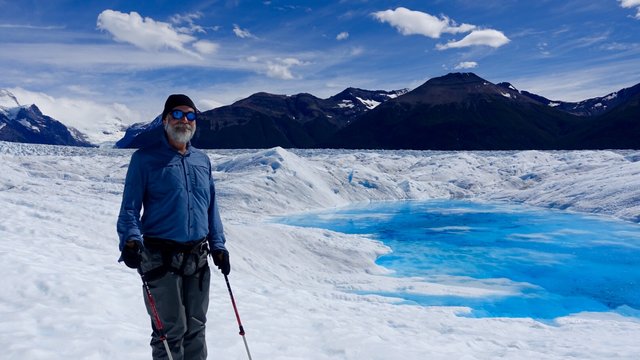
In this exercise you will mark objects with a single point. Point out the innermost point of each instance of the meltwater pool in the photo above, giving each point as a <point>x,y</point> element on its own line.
<point>565,262</point>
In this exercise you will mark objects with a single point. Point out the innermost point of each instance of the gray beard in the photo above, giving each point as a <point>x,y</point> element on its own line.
<point>180,133</point>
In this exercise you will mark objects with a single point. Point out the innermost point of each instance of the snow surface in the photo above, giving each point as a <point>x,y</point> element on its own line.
<point>28,125</point>
<point>65,296</point>
<point>370,104</point>
<point>346,104</point>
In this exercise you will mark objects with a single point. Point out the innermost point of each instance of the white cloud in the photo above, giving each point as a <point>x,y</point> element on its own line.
<point>409,22</point>
<point>82,90</point>
<point>342,36</point>
<point>466,65</point>
<point>281,69</point>
<point>356,51</point>
<point>210,104</point>
<point>292,61</point>
<point>616,46</point>
<point>146,34</point>
<point>631,4</point>
<point>205,47</point>
<point>188,19</point>
<point>100,59</point>
<point>242,33</point>
<point>543,47</point>
<point>488,37</point>
<point>31,27</point>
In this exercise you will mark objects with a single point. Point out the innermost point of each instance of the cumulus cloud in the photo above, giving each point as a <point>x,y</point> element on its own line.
<point>466,65</point>
<point>242,33</point>
<point>409,22</point>
<point>342,36</point>
<point>281,69</point>
<point>146,34</point>
<point>488,37</point>
<point>631,4</point>
<point>150,35</point>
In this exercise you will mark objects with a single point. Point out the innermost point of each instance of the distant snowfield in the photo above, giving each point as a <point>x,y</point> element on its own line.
<point>65,296</point>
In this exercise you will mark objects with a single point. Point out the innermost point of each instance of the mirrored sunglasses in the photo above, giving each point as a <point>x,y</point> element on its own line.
<point>179,114</point>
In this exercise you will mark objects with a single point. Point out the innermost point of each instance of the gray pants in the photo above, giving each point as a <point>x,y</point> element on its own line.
<point>181,301</point>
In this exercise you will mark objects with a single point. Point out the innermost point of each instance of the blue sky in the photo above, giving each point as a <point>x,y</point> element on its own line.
<point>122,58</point>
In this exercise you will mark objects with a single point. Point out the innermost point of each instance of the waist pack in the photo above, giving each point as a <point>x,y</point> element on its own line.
<point>161,256</point>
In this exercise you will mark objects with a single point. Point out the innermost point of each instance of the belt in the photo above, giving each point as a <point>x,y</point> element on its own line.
<point>175,246</point>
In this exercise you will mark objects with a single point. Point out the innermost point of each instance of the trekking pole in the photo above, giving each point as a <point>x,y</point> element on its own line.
<point>233,302</point>
<point>156,317</point>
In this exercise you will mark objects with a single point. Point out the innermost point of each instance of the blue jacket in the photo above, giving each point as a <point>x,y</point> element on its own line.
<point>177,193</point>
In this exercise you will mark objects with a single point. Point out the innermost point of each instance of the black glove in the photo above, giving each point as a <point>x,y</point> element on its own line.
<point>221,259</point>
<point>131,254</point>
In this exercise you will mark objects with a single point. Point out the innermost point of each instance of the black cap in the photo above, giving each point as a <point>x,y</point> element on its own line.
<point>175,100</point>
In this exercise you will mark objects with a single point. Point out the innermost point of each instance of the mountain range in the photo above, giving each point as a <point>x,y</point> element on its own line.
<point>458,111</point>
<point>27,124</point>
<point>266,120</point>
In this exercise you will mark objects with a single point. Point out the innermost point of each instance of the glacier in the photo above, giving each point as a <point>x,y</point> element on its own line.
<point>65,296</point>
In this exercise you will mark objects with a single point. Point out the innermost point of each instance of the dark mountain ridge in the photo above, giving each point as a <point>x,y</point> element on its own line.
<point>590,107</point>
<point>266,120</point>
<point>458,111</point>
<point>618,128</point>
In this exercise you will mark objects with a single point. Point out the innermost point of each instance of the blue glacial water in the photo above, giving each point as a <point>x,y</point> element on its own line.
<point>559,262</point>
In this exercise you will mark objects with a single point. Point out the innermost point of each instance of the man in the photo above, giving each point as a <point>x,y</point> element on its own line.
<point>180,225</point>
